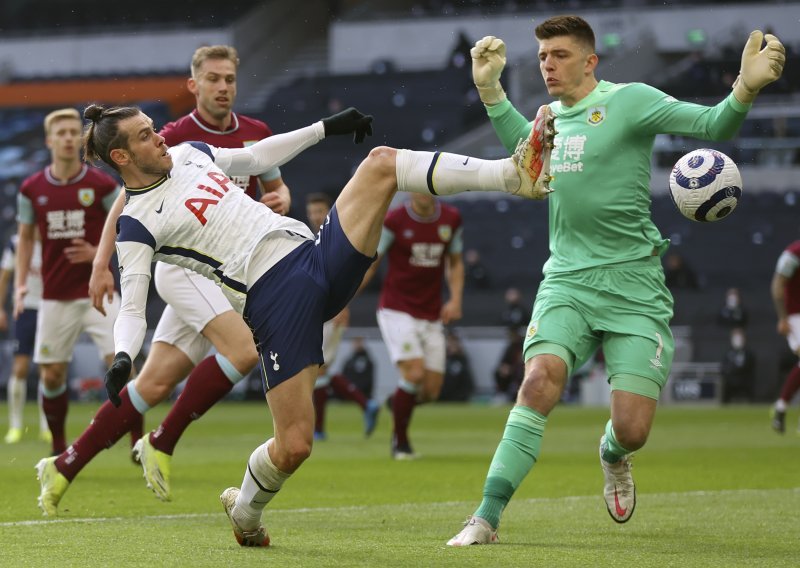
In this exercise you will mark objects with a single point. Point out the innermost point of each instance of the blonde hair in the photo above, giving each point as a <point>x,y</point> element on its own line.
<point>60,114</point>
<point>213,52</point>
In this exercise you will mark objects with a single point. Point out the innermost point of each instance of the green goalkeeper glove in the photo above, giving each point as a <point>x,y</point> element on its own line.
<point>760,67</point>
<point>488,60</point>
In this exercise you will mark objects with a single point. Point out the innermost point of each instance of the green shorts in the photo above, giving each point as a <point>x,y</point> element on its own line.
<point>625,308</point>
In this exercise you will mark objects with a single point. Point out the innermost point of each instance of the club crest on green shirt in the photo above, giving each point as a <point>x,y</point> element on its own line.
<point>596,115</point>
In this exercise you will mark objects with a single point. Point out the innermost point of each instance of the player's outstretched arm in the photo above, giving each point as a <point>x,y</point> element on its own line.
<point>760,67</point>
<point>488,61</point>
<point>278,149</point>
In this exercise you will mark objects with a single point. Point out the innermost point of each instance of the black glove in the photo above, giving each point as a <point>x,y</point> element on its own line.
<point>347,121</point>
<point>117,376</point>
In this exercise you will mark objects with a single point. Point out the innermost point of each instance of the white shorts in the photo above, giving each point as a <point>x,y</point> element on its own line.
<point>409,338</point>
<point>192,301</point>
<point>794,332</point>
<point>60,323</point>
<point>331,338</point>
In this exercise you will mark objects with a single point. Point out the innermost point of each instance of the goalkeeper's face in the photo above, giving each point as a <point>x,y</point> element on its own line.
<point>567,68</point>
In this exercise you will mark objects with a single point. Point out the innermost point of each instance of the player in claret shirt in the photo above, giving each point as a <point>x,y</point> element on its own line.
<point>67,201</point>
<point>422,241</point>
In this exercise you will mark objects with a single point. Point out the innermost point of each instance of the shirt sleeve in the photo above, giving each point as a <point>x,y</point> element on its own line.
<point>787,264</point>
<point>25,214</point>
<point>7,261</point>
<point>134,266</point>
<point>658,113</point>
<point>110,197</point>
<point>269,152</point>
<point>457,242</point>
<point>387,238</point>
<point>508,124</point>
<point>271,175</point>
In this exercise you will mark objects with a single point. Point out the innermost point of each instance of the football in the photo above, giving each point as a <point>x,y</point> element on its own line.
<point>705,185</point>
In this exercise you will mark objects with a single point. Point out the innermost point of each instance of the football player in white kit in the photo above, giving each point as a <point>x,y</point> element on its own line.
<point>183,209</point>
<point>197,315</point>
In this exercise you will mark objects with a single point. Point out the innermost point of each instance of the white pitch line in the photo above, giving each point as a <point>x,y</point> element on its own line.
<point>304,510</point>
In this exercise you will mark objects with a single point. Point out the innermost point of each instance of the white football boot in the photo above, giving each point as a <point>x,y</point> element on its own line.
<point>619,491</point>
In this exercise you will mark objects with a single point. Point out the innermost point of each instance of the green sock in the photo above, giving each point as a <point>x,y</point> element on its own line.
<point>612,451</point>
<point>515,456</point>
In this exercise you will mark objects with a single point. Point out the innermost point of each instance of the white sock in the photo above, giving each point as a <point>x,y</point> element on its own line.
<point>261,483</point>
<point>440,173</point>
<point>17,392</point>
<point>780,405</point>
<point>43,425</point>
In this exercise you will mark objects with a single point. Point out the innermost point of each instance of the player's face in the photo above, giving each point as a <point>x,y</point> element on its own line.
<point>64,139</point>
<point>316,213</point>
<point>146,148</point>
<point>567,67</point>
<point>215,87</point>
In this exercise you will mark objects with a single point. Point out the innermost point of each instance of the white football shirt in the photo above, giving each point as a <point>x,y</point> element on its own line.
<point>196,217</point>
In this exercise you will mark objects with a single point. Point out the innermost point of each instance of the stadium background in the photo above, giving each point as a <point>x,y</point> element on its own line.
<point>406,63</point>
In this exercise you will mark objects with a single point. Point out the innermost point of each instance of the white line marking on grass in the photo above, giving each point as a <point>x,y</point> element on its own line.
<point>303,510</point>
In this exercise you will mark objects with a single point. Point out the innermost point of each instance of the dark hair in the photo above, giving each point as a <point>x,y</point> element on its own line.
<point>574,26</point>
<point>319,197</point>
<point>102,133</point>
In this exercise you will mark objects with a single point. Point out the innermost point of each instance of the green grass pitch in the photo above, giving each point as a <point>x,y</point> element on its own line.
<point>716,487</point>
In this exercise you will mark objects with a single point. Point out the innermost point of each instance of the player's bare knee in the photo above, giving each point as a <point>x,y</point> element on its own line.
<point>247,360</point>
<point>631,436</point>
<point>52,378</point>
<point>295,453</point>
<point>381,164</point>
<point>430,394</point>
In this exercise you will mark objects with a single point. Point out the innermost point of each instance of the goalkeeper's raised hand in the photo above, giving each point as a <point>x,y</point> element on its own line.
<point>117,376</point>
<point>760,67</point>
<point>349,121</point>
<point>488,60</point>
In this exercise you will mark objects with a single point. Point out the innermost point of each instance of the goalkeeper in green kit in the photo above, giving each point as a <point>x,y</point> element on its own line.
<point>604,285</point>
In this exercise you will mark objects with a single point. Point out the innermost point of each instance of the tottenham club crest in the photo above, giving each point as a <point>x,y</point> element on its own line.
<point>596,115</point>
<point>86,196</point>
<point>275,365</point>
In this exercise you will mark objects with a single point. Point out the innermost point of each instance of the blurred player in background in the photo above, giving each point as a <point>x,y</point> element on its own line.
<point>785,291</point>
<point>67,202</point>
<point>24,336</point>
<point>422,240</point>
<point>318,205</point>
<point>604,283</point>
<point>197,314</point>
